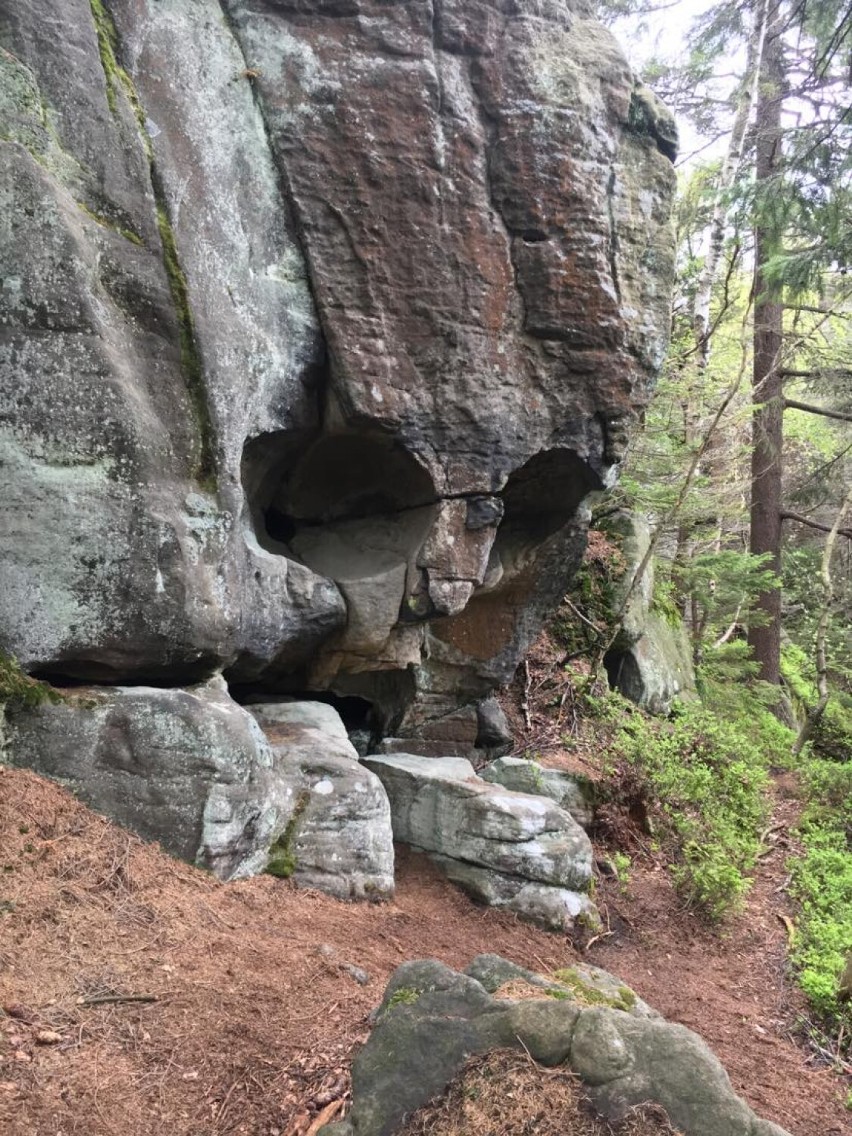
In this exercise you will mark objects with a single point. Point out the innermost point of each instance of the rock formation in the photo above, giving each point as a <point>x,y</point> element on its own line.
<point>433,1019</point>
<point>511,849</point>
<point>318,322</point>
<point>278,789</point>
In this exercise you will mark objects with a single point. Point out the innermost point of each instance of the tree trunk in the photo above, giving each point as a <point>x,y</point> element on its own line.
<point>767,392</point>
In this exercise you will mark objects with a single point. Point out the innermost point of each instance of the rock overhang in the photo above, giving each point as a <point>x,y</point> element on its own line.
<point>409,311</point>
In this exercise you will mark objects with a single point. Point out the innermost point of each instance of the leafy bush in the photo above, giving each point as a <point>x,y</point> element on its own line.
<point>822,882</point>
<point>833,735</point>
<point>707,777</point>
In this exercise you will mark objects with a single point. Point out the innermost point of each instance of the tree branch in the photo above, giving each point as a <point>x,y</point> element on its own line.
<point>800,520</point>
<point>792,404</point>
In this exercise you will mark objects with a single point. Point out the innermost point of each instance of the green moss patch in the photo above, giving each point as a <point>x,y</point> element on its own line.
<point>585,992</point>
<point>282,860</point>
<point>19,691</point>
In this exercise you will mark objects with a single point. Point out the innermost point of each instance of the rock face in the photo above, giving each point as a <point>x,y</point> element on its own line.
<point>508,849</point>
<point>193,770</point>
<point>570,791</point>
<point>650,662</point>
<point>318,321</point>
<point>432,1019</point>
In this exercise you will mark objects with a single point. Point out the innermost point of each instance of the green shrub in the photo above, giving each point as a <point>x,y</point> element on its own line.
<point>821,880</point>
<point>833,735</point>
<point>707,778</point>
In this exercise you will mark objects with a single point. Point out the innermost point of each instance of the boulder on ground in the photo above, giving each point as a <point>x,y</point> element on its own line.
<point>192,769</point>
<point>338,837</point>
<point>506,848</point>
<point>433,1019</point>
<point>571,791</point>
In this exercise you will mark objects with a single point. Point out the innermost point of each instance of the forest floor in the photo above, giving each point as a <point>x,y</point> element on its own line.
<point>256,1013</point>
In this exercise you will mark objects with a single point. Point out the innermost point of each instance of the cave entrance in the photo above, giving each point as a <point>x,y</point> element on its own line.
<point>623,673</point>
<point>539,499</point>
<point>348,506</point>
<point>371,704</point>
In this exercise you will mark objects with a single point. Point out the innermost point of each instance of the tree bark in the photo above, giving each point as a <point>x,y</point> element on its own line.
<point>767,392</point>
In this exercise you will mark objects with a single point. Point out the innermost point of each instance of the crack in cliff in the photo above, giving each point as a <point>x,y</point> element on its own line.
<point>489,131</point>
<point>117,77</point>
<point>613,244</point>
<point>292,218</point>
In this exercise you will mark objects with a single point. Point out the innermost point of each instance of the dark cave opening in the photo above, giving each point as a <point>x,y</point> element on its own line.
<point>542,497</point>
<point>370,704</point>
<point>623,674</point>
<point>349,506</point>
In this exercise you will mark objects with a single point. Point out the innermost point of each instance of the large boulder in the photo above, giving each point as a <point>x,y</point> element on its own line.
<point>195,771</point>
<point>338,837</point>
<point>432,1019</point>
<point>507,849</point>
<point>300,381</point>
<point>650,661</point>
<point>571,791</point>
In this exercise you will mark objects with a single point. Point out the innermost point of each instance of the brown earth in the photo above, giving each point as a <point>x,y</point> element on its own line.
<point>505,1093</point>
<point>256,1012</point>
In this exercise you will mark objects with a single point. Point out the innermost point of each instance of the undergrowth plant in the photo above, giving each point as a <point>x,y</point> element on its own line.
<point>705,778</point>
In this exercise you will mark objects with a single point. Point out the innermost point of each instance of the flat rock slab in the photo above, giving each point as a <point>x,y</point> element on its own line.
<point>491,840</point>
<point>432,1019</point>
<point>570,792</point>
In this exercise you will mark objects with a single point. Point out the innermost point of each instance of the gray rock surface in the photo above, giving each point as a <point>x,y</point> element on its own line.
<point>555,908</point>
<point>195,771</point>
<point>339,836</point>
<point>188,768</point>
<point>284,396</point>
<point>508,849</point>
<point>570,791</point>
<point>432,1019</point>
<point>650,662</point>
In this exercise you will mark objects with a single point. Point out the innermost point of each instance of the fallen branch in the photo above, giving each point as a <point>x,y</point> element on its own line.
<point>113,999</point>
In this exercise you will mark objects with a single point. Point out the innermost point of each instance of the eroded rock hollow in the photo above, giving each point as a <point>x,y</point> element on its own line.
<point>319,321</point>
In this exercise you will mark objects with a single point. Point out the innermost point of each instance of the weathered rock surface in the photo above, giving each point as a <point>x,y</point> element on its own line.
<point>571,792</point>
<point>432,1019</point>
<point>650,662</point>
<point>338,837</point>
<point>193,770</point>
<point>507,849</point>
<point>285,395</point>
<point>188,768</point>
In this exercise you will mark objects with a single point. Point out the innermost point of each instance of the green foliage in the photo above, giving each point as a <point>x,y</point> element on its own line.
<point>19,691</point>
<point>405,996</point>
<point>822,882</point>
<point>833,734</point>
<point>586,617</point>
<point>708,778</point>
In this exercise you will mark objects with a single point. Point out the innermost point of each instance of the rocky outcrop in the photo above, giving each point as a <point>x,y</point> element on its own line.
<point>195,771</point>
<point>570,791</point>
<point>338,836</point>
<point>318,321</point>
<point>507,849</point>
<point>650,661</point>
<point>433,1019</point>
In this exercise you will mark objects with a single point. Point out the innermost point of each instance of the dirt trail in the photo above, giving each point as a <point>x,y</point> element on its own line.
<point>732,987</point>
<point>256,1011</point>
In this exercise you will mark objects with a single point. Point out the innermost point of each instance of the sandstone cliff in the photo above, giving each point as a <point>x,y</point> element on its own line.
<point>319,319</point>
